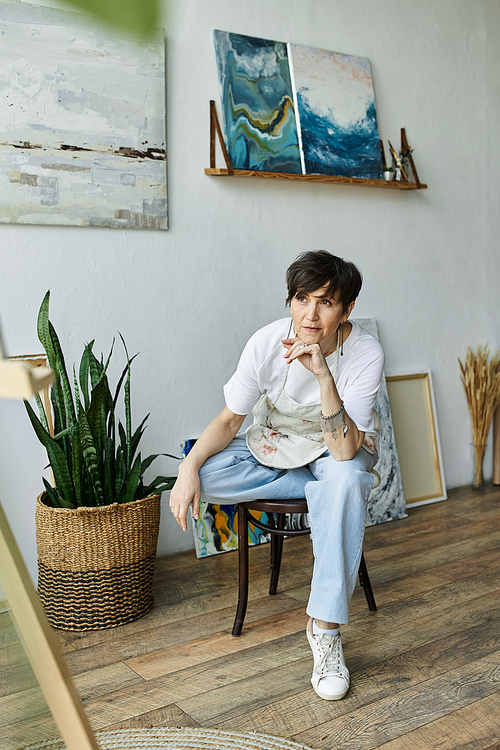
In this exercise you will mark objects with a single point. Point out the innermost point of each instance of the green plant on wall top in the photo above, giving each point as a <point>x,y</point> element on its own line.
<point>94,457</point>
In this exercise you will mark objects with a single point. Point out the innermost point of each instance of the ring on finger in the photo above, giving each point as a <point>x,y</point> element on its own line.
<point>303,346</point>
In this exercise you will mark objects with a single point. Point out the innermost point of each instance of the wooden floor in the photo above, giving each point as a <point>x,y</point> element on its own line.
<point>425,668</point>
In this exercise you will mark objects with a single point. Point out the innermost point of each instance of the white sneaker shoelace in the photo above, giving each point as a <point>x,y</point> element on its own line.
<point>329,663</point>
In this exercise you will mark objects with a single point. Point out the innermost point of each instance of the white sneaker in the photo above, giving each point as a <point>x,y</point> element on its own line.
<point>330,677</point>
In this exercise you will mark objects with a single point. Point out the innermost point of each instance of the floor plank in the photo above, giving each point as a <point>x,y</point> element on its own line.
<point>167,716</point>
<point>399,714</point>
<point>425,667</point>
<point>469,728</point>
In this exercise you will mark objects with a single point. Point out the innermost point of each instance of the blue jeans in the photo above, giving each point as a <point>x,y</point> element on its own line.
<point>336,492</point>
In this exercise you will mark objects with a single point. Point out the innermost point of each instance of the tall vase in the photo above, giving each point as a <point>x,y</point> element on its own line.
<point>479,450</point>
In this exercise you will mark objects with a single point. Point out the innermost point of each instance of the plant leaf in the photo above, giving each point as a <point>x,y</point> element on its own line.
<point>109,472</point>
<point>84,374</point>
<point>56,412</point>
<point>136,437</point>
<point>120,382</point>
<point>41,411</point>
<point>57,501</point>
<point>43,331</point>
<point>95,416</point>
<point>69,407</point>
<point>63,433</point>
<point>149,460</point>
<point>109,355</point>
<point>52,494</point>
<point>128,411</point>
<point>120,476</point>
<point>56,456</point>
<point>77,466</point>
<point>123,438</point>
<point>96,368</point>
<point>133,480</point>
<point>77,394</point>
<point>168,483</point>
<point>56,392</point>
<point>90,457</point>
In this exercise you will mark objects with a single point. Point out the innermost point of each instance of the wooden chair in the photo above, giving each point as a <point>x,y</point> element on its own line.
<point>278,532</point>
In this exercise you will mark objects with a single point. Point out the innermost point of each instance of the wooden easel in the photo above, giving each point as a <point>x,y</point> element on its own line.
<point>18,379</point>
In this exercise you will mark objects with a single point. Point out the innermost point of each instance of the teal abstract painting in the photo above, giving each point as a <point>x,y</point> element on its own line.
<point>257,103</point>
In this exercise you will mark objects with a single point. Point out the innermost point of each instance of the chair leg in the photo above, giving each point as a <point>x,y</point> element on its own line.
<point>276,553</point>
<point>273,543</point>
<point>364,580</point>
<point>242,571</point>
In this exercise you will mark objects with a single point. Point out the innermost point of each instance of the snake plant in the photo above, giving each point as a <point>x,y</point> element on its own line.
<point>93,456</point>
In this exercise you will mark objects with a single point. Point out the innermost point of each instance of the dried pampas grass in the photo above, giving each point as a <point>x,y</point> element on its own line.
<point>481,382</point>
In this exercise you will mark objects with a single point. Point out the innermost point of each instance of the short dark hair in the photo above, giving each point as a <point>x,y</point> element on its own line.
<point>318,268</point>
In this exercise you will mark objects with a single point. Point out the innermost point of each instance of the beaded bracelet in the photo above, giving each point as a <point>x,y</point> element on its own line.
<point>330,424</point>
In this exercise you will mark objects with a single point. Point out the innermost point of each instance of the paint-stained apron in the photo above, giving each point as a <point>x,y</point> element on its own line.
<point>288,435</point>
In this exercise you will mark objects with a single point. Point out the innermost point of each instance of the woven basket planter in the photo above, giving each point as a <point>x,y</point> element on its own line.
<point>95,565</point>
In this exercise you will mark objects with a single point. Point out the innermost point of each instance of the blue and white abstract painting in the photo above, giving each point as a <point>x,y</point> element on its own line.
<point>336,113</point>
<point>82,129</point>
<point>257,103</point>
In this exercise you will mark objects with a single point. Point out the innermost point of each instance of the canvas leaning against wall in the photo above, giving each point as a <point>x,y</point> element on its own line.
<point>296,109</point>
<point>257,103</point>
<point>82,132</point>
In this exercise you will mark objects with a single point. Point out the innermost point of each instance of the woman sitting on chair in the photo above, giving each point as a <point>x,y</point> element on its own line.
<point>311,383</point>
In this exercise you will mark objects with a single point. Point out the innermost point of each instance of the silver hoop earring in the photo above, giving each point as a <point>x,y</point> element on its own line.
<point>342,341</point>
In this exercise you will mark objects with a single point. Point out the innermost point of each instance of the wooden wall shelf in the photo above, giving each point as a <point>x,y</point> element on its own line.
<point>393,185</point>
<point>214,171</point>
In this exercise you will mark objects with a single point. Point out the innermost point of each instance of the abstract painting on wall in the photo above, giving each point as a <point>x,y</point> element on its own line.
<point>82,134</point>
<point>290,108</point>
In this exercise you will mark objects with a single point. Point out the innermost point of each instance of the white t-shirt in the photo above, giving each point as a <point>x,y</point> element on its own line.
<point>262,364</point>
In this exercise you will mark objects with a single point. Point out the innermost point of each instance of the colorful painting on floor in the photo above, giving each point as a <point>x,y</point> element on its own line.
<point>82,134</point>
<point>296,109</point>
<point>337,120</point>
<point>217,529</point>
<point>257,103</point>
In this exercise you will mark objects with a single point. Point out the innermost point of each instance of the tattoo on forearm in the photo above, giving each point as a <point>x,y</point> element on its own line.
<point>335,434</point>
